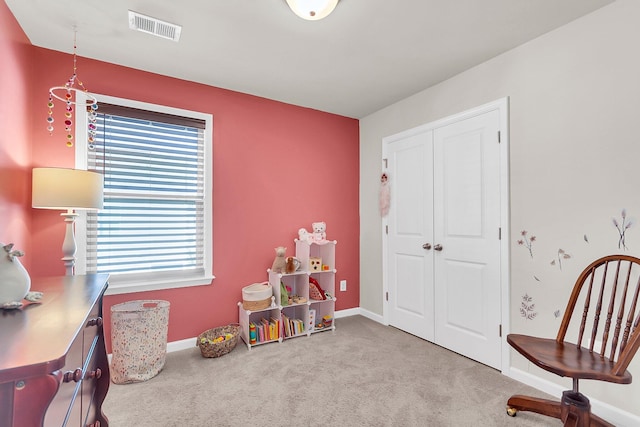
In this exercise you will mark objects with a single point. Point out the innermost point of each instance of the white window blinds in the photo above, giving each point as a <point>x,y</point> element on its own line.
<point>154,182</point>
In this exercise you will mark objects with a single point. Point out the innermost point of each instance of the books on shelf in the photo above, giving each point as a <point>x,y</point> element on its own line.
<point>266,330</point>
<point>292,327</point>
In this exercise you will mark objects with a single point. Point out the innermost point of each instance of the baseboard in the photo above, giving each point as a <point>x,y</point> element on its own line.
<point>361,311</point>
<point>373,316</point>
<point>346,313</point>
<point>181,345</point>
<point>604,410</point>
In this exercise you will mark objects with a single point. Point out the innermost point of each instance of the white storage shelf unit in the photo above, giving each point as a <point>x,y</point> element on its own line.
<point>298,282</point>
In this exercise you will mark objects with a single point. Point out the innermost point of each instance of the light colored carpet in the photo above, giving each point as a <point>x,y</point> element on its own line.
<point>361,374</point>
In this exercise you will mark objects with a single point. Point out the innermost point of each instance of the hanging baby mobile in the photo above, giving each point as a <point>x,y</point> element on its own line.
<point>68,95</point>
<point>385,194</point>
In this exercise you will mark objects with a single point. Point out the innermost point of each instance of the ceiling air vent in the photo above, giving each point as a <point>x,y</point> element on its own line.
<point>154,26</point>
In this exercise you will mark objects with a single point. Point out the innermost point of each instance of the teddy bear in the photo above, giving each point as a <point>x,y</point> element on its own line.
<point>319,231</point>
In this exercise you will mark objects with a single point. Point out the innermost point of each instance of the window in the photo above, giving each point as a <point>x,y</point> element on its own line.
<point>154,231</point>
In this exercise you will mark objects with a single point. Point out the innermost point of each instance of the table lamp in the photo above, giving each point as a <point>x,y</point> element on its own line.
<point>70,190</point>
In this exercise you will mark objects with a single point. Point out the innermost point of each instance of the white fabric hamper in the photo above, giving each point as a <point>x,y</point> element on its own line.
<point>138,340</point>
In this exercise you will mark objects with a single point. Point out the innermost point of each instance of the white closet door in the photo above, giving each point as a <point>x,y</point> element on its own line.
<point>443,258</point>
<point>410,266</point>
<point>466,226</point>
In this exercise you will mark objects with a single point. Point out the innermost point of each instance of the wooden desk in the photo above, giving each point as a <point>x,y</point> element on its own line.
<point>53,361</point>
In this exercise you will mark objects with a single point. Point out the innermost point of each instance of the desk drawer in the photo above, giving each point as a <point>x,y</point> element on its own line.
<point>70,405</point>
<point>65,408</point>
<point>93,371</point>
<point>92,326</point>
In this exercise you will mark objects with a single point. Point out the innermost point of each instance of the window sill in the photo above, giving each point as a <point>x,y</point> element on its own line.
<point>117,287</point>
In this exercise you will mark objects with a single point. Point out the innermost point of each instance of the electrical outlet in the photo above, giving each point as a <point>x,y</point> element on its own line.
<point>343,285</point>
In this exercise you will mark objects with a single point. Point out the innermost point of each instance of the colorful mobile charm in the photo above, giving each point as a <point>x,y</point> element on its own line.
<point>67,94</point>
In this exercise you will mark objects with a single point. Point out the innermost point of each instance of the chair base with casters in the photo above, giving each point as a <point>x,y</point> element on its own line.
<point>607,294</point>
<point>573,409</point>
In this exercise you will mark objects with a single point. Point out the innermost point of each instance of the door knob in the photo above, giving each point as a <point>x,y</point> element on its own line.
<point>438,247</point>
<point>426,246</point>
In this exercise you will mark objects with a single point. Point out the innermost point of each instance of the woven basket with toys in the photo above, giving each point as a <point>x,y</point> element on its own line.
<point>218,341</point>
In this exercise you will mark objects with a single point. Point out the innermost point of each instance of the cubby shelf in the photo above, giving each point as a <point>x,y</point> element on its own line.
<point>317,260</point>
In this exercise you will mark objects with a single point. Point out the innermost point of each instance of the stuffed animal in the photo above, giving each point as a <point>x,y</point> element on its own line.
<point>319,231</point>
<point>384,195</point>
<point>290,266</point>
<point>279,263</point>
<point>317,235</point>
<point>305,236</point>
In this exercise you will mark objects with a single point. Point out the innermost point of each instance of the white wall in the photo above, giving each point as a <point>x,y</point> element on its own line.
<point>574,163</point>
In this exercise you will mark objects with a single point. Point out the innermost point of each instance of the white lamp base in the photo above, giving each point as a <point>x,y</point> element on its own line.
<point>69,244</point>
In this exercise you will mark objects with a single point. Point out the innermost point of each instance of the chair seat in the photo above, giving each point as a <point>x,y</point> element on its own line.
<point>566,359</point>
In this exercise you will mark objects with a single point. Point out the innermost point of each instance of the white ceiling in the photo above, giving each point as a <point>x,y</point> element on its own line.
<point>366,55</point>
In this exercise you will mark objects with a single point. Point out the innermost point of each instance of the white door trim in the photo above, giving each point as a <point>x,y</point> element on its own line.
<point>502,105</point>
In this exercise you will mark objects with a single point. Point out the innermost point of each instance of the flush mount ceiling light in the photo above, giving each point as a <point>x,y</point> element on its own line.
<point>154,26</point>
<point>312,10</point>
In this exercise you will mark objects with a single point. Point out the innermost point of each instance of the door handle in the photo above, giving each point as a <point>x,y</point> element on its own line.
<point>437,247</point>
<point>426,246</point>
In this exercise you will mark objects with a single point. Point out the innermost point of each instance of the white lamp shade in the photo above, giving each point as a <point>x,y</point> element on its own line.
<point>62,189</point>
<point>312,10</point>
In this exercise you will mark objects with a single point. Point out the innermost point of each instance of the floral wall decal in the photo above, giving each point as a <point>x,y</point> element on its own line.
<point>527,242</point>
<point>622,228</point>
<point>527,308</point>
<point>561,255</point>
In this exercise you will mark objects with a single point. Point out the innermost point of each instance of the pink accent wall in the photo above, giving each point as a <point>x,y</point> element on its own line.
<point>277,168</point>
<point>15,134</point>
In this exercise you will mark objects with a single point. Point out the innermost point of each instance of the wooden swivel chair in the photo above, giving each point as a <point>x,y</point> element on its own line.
<point>607,294</point>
